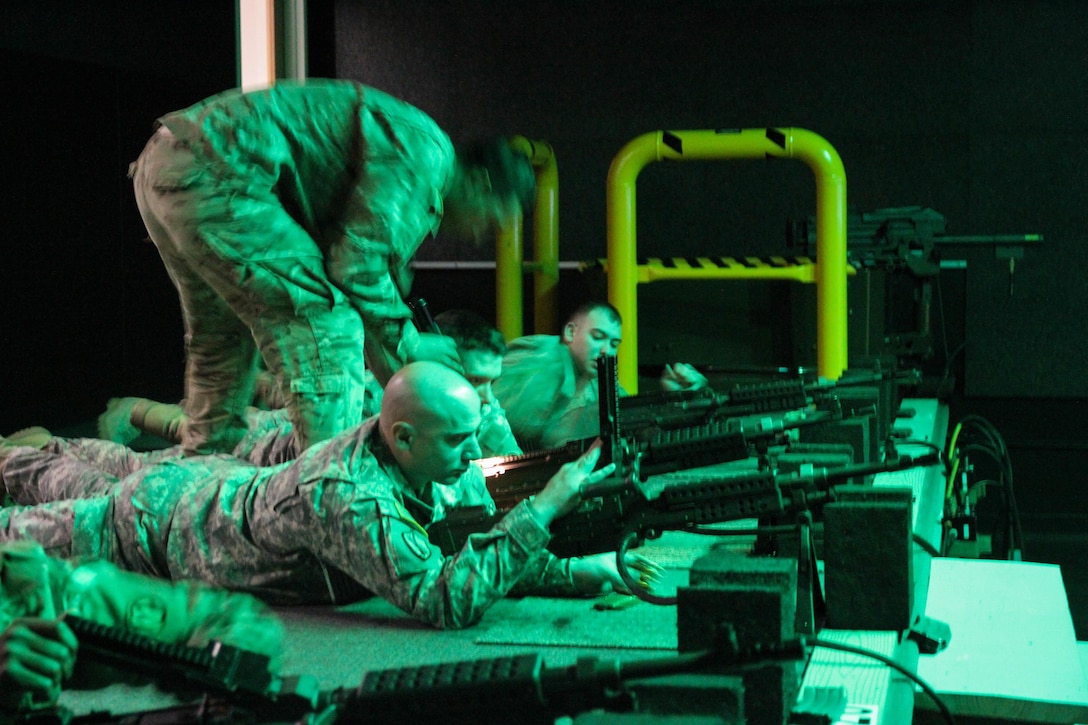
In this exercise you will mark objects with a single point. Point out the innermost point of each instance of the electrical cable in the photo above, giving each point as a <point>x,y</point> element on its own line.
<point>980,436</point>
<point>944,325</point>
<point>634,586</point>
<point>926,546</point>
<point>1016,533</point>
<point>954,457</point>
<point>827,644</point>
<point>949,357</point>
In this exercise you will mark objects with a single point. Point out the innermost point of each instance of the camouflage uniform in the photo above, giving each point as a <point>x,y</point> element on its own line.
<point>287,218</point>
<point>495,435</point>
<point>86,467</point>
<point>332,526</point>
<point>539,389</point>
<point>93,466</point>
<point>33,585</point>
<point>268,442</point>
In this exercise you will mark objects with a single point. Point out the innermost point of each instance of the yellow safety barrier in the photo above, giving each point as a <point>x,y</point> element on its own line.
<point>654,269</point>
<point>829,271</point>
<point>509,251</point>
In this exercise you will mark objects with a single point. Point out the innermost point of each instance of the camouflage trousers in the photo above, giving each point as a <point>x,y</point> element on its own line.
<point>61,502</point>
<point>251,282</point>
<point>67,468</point>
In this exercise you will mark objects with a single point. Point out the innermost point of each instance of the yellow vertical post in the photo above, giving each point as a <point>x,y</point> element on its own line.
<point>832,308</point>
<point>622,260</point>
<point>546,241</point>
<point>510,250</point>
<point>754,143</point>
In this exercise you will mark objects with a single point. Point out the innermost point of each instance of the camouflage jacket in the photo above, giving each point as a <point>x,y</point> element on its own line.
<point>362,172</point>
<point>538,388</point>
<point>338,523</point>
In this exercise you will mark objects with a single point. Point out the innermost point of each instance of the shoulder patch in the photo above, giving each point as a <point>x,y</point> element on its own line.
<point>417,544</point>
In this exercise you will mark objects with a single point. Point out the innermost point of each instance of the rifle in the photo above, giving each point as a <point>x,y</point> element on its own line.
<point>233,680</point>
<point>652,442</point>
<point>513,478</point>
<point>522,689</point>
<point>645,452</point>
<point>617,514</point>
<point>647,413</point>
<point>517,688</point>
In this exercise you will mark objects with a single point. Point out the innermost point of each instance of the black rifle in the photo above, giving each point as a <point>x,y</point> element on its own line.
<point>647,446</point>
<point>616,514</point>
<point>513,478</point>
<point>232,680</point>
<point>638,454</point>
<point>522,689</point>
<point>519,688</point>
<point>647,413</point>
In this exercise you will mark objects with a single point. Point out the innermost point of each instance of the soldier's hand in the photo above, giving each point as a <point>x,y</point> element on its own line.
<point>681,376</point>
<point>36,655</point>
<point>563,490</point>
<point>597,574</point>
<point>436,348</point>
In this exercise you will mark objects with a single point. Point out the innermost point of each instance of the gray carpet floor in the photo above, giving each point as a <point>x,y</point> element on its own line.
<point>337,646</point>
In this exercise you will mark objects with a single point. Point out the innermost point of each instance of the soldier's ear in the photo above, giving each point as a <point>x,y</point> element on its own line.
<point>403,435</point>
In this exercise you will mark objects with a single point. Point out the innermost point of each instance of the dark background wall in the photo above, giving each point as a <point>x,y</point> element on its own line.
<point>975,108</point>
<point>88,309</point>
<point>972,108</point>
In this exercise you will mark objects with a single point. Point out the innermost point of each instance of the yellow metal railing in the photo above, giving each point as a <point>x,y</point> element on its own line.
<point>655,269</point>
<point>510,249</point>
<point>754,143</point>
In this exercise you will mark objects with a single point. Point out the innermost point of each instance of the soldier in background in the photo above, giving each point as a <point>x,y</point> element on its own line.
<point>549,383</point>
<point>481,347</point>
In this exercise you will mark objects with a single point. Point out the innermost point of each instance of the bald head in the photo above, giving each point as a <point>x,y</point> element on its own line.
<point>429,418</point>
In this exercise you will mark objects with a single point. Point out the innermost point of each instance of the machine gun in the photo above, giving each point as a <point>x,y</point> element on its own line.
<point>652,434</point>
<point>513,478</point>
<point>647,413</point>
<point>617,514</point>
<point>522,689</point>
<point>230,678</point>
<point>905,237</point>
<point>514,688</point>
<point>897,253</point>
<point>649,442</point>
